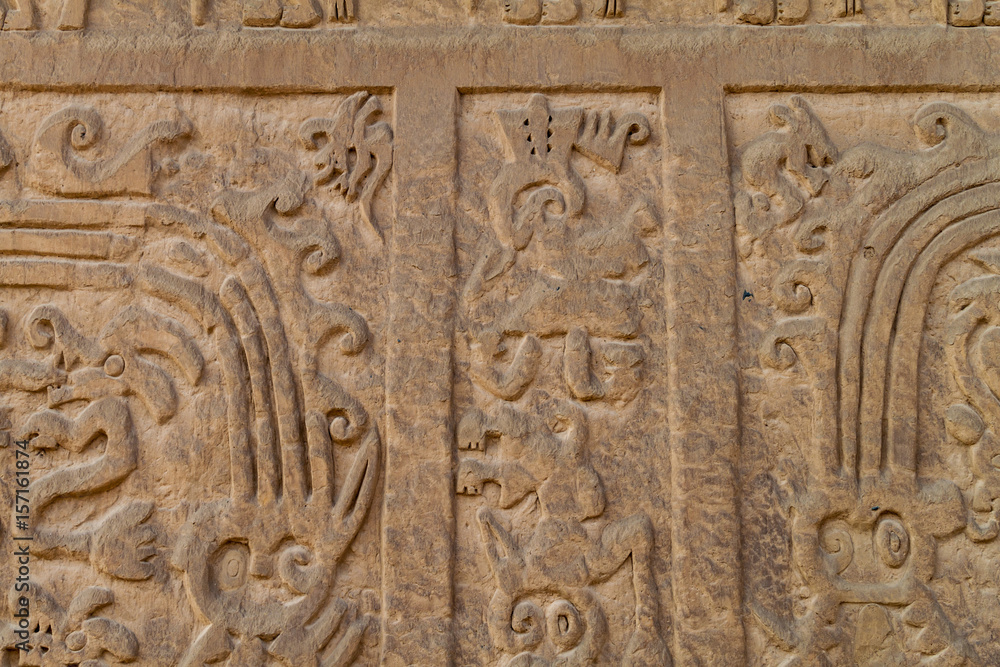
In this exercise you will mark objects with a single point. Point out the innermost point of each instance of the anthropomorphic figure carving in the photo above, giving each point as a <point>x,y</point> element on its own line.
<point>545,453</point>
<point>553,270</point>
<point>786,165</point>
<point>577,286</point>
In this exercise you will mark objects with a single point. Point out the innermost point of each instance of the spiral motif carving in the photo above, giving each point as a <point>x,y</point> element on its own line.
<point>298,569</point>
<point>85,130</point>
<point>838,544</point>
<point>793,297</point>
<point>528,621</point>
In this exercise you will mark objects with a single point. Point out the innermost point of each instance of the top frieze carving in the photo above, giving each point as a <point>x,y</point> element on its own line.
<point>23,15</point>
<point>311,15</point>
<point>69,15</point>
<point>283,13</point>
<point>968,13</point>
<point>797,12</point>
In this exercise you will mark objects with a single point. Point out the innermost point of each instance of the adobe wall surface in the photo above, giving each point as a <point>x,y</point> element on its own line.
<point>521,333</point>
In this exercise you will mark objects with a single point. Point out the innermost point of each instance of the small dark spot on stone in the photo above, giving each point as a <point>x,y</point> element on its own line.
<point>875,509</point>
<point>747,295</point>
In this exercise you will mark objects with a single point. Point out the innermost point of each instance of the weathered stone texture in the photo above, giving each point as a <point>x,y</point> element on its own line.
<point>506,332</point>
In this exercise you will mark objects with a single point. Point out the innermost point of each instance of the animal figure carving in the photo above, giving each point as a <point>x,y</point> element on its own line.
<point>867,514</point>
<point>102,373</point>
<point>545,453</point>
<point>788,164</point>
<point>68,636</point>
<point>262,572</point>
<point>250,339</point>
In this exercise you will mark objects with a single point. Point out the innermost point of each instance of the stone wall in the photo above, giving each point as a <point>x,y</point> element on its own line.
<point>502,332</point>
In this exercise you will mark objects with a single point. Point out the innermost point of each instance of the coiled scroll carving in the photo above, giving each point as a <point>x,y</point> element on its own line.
<point>553,299</point>
<point>868,516</point>
<point>201,309</point>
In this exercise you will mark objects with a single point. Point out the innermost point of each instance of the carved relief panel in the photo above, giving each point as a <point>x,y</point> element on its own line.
<point>194,375</point>
<point>796,12</point>
<point>868,246</point>
<point>275,13</point>
<point>182,16</point>
<point>562,544</point>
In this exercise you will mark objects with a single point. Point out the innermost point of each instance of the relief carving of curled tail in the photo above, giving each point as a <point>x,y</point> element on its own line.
<point>47,326</point>
<point>57,168</point>
<point>939,122</point>
<point>776,350</point>
<point>330,319</point>
<point>348,418</point>
<point>792,291</point>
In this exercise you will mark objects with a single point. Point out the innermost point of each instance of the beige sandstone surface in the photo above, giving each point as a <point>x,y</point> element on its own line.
<point>528,333</point>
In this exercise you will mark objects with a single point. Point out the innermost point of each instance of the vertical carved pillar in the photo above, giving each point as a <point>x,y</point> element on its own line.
<point>418,525</point>
<point>703,385</point>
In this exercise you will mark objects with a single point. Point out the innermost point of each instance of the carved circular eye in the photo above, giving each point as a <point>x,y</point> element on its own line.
<point>565,625</point>
<point>528,621</point>
<point>338,428</point>
<point>114,365</point>
<point>892,541</point>
<point>231,565</point>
